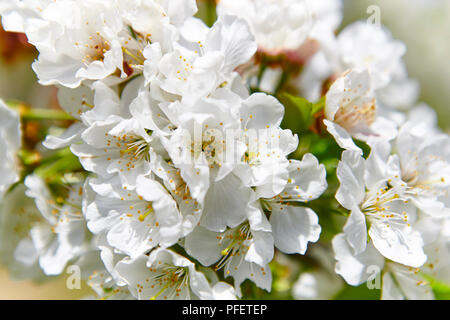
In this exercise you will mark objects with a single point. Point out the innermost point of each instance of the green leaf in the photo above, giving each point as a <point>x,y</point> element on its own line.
<point>298,113</point>
<point>441,290</point>
<point>319,105</point>
<point>361,292</point>
<point>54,167</point>
<point>27,113</point>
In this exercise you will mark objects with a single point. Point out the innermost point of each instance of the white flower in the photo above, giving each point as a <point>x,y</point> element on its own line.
<point>353,267</point>
<point>265,163</point>
<point>104,279</point>
<point>424,166</point>
<point>322,283</point>
<point>135,221</point>
<point>116,147</point>
<point>94,39</point>
<point>195,69</point>
<point>112,141</point>
<point>88,104</point>
<point>59,234</point>
<point>198,146</point>
<point>293,226</point>
<point>316,285</point>
<point>155,21</point>
<point>326,16</point>
<point>18,214</point>
<point>164,275</point>
<point>243,251</point>
<point>351,111</point>
<point>401,93</point>
<point>10,143</point>
<point>367,46</point>
<point>424,118</point>
<point>16,13</point>
<point>277,25</point>
<point>438,251</point>
<point>190,209</point>
<point>404,283</point>
<point>379,206</point>
<point>77,40</point>
<point>106,289</point>
<point>362,46</point>
<point>398,281</point>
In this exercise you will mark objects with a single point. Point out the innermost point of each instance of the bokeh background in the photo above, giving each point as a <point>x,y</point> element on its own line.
<point>424,26</point>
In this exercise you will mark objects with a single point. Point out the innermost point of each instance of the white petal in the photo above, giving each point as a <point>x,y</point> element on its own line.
<point>293,227</point>
<point>261,110</point>
<point>203,245</point>
<point>261,249</point>
<point>70,136</point>
<point>342,137</point>
<point>402,245</point>
<point>356,230</point>
<point>223,291</point>
<point>226,204</point>
<point>390,290</point>
<point>350,173</point>
<point>354,268</point>
<point>307,179</point>
<point>407,285</point>
<point>242,270</point>
<point>231,36</point>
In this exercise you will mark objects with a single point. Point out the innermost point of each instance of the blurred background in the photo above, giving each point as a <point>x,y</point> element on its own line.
<point>424,26</point>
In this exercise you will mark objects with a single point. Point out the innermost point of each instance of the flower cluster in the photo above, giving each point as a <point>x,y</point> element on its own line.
<point>185,162</point>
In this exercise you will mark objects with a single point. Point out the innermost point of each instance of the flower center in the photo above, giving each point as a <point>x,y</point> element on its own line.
<point>170,280</point>
<point>356,116</point>
<point>235,241</point>
<point>211,147</point>
<point>94,48</point>
<point>382,206</point>
<point>133,150</point>
<point>428,182</point>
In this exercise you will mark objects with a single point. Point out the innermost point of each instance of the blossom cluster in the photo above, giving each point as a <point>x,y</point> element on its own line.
<point>187,162</point>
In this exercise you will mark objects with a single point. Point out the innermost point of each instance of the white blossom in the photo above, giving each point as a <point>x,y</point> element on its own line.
<point>423,165</point>
<point>10,143</point>
<point>170,168</point>
<point>165,275</point>
<point>351,111</point>
<point>135,221</point>
<point>379,209</point>
<point>58,234</point>
<point>277,25</point>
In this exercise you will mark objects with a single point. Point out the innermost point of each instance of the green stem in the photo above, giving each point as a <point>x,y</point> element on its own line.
<point>284,79</point>
<point>45,114</point>
<point>39,114</point>
<point>262,68</point>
